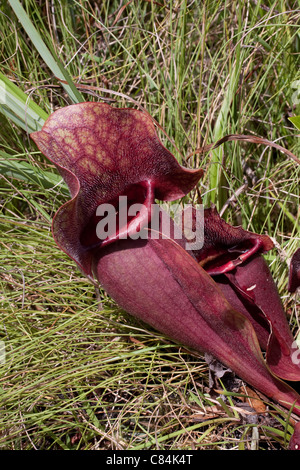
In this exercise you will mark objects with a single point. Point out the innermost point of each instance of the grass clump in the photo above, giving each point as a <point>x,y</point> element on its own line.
<point>80,374</point>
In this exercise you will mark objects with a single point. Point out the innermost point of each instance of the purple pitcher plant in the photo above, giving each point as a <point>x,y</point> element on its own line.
<point>294,275</point>
<point>218,297</point>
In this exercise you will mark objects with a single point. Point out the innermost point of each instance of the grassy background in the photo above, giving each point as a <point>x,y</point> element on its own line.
<point>80,374</point>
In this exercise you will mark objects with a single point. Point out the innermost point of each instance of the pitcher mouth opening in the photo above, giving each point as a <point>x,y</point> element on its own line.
<point>120,218</point>
<point>234,256</point>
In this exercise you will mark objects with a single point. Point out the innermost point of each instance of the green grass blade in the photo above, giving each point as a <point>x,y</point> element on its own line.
<point>18,107</point>
<point>295,120</point>
<point>218,194</point>
<point>12,168</point>
<point>48,56</point>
